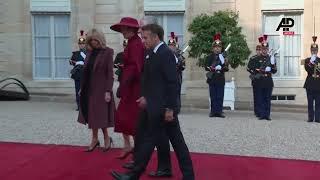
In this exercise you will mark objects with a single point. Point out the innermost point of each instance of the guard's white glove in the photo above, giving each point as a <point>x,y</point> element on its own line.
<point>273,60</point>
<point>218,67</point>
<point>79,63</point>
<point>313,58</point>
<point>221,58</point>
<point>268,69</point>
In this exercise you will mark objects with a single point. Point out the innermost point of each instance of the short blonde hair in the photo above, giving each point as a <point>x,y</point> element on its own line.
<point>95,34</point>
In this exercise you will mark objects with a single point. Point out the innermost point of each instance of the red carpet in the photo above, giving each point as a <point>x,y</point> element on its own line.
<point>50,162</point>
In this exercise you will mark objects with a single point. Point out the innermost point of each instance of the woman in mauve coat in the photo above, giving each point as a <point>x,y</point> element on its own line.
<point>128,111</point>
<point>97,104</point>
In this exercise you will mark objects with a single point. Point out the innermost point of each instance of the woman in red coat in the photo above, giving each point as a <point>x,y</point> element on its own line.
<point>97,104</point>
<point>128,111</point>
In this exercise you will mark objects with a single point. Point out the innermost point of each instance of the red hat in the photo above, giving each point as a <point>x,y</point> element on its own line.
<point>260,39</point>
<point>314,45</point>
<point>127,22</point>
<point>217,40</point>
<point>82,39</point>
<point>173,39</point>
<point>258,47</point>
<point>264,42</point>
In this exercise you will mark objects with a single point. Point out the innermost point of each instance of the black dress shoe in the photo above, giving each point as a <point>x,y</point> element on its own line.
<point>165,173</point>
<point>124,176</point>
<point>268,118</point>
<point>219,115</point>
<point>261,118</point>
<point>211,115</point>
<point>310,120</point>
<point>317,121</point>
<point>129,165</point>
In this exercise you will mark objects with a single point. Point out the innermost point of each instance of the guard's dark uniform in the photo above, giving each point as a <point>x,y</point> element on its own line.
<point>118,64</point>
<point>77,60</point>
<point>252,60</point>
<point>180,62</point>
<point>252,72</point>
<point>118,61</point>
<point>216,78</point>
<point>263,68</point>
<point>312,83</point>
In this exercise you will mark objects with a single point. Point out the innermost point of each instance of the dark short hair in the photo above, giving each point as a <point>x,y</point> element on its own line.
<point>154,29</point>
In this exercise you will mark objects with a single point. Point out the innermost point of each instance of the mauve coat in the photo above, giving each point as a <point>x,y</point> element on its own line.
<point>130,87</point>
<point>100,113</point>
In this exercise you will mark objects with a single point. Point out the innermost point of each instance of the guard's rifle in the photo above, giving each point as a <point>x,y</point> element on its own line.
<point>181,59</point>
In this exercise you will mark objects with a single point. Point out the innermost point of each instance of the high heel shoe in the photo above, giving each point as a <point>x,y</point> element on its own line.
<point>109,147</point>
<point>91,149</point>
<point>125,154</point>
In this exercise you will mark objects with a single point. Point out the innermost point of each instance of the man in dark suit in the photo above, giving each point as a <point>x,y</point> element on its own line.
<point>158,101</point>
<point>163,148</point>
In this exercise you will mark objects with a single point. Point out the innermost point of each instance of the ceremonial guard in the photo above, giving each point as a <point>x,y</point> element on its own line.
<point>118,64</point>
<point>77,61</point>
<point>262,69</point>
<point>252,72</point>
<point>180,62</point>
<point>312,84</point>
<point>216,65</point>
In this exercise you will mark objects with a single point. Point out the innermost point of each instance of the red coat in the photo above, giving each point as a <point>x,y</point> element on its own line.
<point>130,83</point>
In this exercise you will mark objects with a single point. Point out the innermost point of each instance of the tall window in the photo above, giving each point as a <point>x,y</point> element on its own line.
<point>171,23</point>
<point>51,46</point>
<point>288,59</point>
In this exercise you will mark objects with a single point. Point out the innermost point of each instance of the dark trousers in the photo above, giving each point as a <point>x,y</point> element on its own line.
<point>216,97</point>
<point>313,105</point>
<point>163,146</point>
<point>255,97</point>
<point>264,101</point>
<point>77,89</point>
<point>153,134</point>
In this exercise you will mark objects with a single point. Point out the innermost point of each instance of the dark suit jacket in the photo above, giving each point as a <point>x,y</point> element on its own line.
<point>159,81</point>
